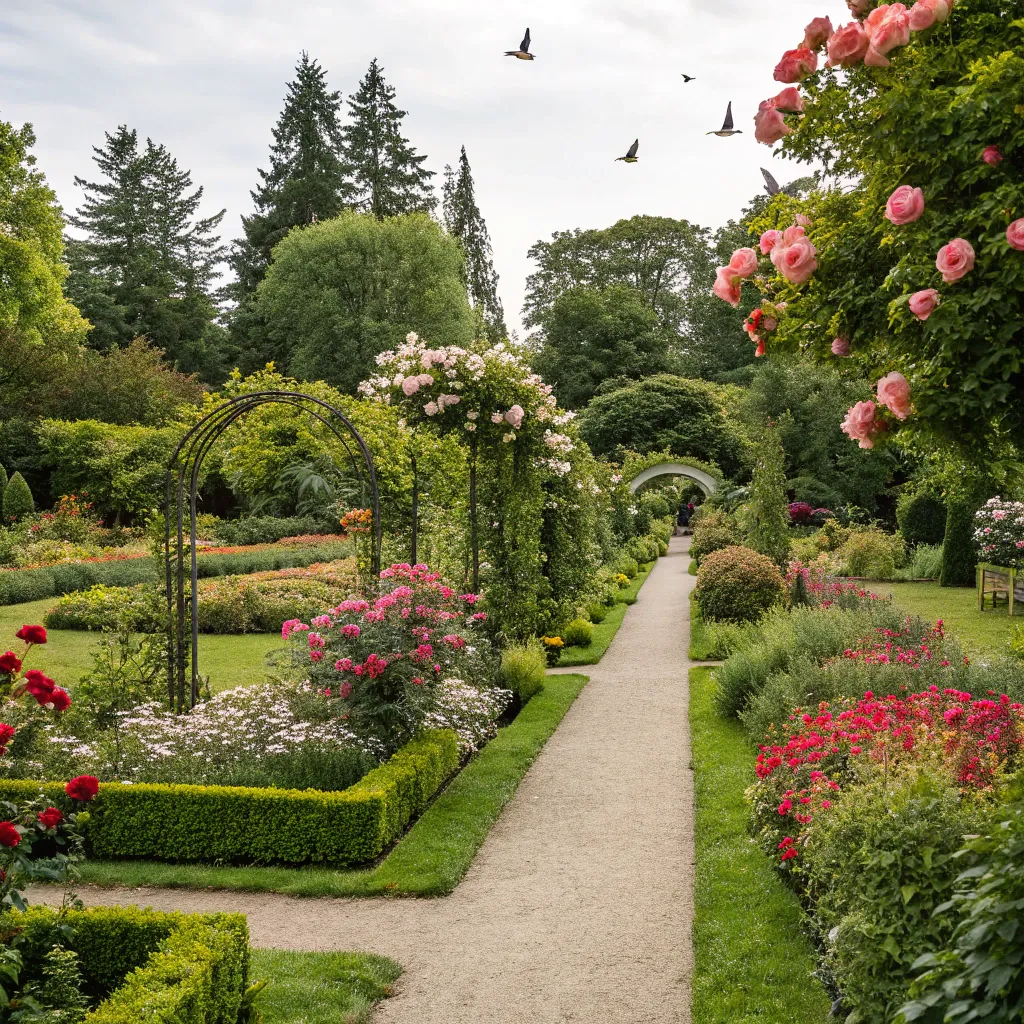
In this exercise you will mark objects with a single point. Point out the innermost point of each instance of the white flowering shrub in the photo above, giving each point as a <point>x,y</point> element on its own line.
<point>469,711</point>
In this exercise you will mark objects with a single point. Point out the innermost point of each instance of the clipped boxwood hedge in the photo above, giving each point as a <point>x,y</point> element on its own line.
<point>239,825</point>
<point>20,585</point>
<point>146,965</point>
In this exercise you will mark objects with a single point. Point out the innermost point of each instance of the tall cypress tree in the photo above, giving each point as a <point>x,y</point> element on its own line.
<point>390,178</point>
<point>462,219</point>
<point>308,178</point>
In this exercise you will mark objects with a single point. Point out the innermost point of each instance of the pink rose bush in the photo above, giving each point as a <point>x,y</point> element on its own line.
<point>955,260</point>
<point>795,257</point>
<point>924,303</point>
<point>905,205</point>
<point>999,533</point>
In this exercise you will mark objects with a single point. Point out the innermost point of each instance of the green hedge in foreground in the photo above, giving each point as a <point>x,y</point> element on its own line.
<point>17,586</point>
<point>146,965</point>
<point>239,825</point>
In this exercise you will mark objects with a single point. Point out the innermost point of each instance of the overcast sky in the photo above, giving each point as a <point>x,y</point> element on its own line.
<point>207,77</point>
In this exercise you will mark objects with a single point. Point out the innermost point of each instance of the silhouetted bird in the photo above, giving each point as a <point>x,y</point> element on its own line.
<point>687,78</point>
<point>727,129</point>
<point>523,53</point>
<point>771,186</point>
<point>630,156</point>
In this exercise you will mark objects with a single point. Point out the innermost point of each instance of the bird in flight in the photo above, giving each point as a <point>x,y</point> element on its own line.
<point>771,186</point>
<point>687,78</point>
<point>523,53</point>
<point>727,128</point>
<point>630,157</point>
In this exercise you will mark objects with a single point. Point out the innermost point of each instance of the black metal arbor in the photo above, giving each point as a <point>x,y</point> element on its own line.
<point>181,487</point>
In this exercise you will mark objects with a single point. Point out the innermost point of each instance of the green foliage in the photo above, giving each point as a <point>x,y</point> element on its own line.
<point>264,529</point>
<point>877,867</point>
<point>402,274</point>
<point>925,563</point>
<point>870,552</point>
<point>523,669</point>
<point>958,552</point>
<point>663,413</point>
<point>246,825</point>
<point>980,973</point>
<point>3,485</point>
<point>591,336</point>
<point>597,612</point>
<point>922,517</point>
<point>17,499</point>
<point>737,584</point>
<point>766,514</point>
<point>578,633</point>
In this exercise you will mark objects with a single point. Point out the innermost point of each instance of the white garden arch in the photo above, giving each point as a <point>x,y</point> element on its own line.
<point>705,481</point>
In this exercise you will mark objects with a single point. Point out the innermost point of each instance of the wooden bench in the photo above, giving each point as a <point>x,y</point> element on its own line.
<point>999,586</point>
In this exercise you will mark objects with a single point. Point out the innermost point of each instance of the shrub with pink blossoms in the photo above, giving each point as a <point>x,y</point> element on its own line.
<point>999,533</point>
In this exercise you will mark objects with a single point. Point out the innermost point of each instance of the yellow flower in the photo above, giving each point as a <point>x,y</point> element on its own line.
<point>552,641</point>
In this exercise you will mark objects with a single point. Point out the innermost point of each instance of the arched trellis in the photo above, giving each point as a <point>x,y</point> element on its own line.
<point>181,487</point>
<point>704,480</point>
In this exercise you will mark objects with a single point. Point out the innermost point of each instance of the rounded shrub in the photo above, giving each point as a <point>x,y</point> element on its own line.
<point>597,612</point>
<point>579,633</point>
<point>712,532</point>
<point>523,668</point>
<point>922,517</point>
<point>18,501</point>
<point>872,553</point>
<point>736,584</point>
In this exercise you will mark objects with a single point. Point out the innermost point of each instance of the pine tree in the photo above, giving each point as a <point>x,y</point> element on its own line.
<point>462,219</point>
<point>308,179</point>
<point>390,178</point>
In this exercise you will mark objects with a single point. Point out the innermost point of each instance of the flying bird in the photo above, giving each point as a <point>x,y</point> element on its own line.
<point>771,186</point>
<point>687,78</point>
<point>727,128</point>
<point>630,157</point>
<point>523,53</point>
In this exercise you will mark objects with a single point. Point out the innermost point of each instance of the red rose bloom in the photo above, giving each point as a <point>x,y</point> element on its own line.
<point>32,634</point>
<point>60,699</point>
<point>6,734</point>
<point>10,662</point>
<point>84,788</point>
<point>9,835</point>
<point>39,685</point>
<point>50,818</point>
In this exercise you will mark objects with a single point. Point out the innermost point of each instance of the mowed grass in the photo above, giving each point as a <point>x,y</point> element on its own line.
<point>604,632</point>
<point>320,988</point>
<point>67,656</point>
<point>981,633</point>
<point>753,963</point>
<point>435,854</point>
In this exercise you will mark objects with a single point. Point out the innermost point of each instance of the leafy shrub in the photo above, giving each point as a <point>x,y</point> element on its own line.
<point>814,492</point>
<point>265,529</point>
<point>925,563</point>
<point>870,552</point>
<point>999,532</point>
<point>714,530</point>
<point>737,584</point>
<point>3,485</point>
<point>597,612</point>
<point>579,633</point>
<point>17,499</point>
<point>626,566</point>
<point>523,669</point>
<point>958,557</point>
<point>922,517</point>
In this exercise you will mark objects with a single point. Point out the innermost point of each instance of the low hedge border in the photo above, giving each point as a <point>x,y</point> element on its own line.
<point>146,965</point>
<point>18,586</point>
<point>238,825</point>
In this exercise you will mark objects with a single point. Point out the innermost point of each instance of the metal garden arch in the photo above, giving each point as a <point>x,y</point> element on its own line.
<point>181,487</point>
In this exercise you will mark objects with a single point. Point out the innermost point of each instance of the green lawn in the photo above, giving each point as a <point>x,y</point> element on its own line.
<point>753,964</point>
<point>228,660</point>
<point>604,632</point>
<point>434,855</point>
<point>982,633</point>
<point>320,988</point>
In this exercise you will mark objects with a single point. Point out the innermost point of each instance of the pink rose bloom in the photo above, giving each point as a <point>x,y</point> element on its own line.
<point>769,240</point>
<point>1015,235</point>
<point>769,323</point>
<point>955,260</point>
<point>888,27</point>
<point>924,303</point>
<point>894,394</point>
<point>425,379</point>
<point>992,156</point>
<point>497,417</point>
<point>862,424</point>
<point>789,101</point>
<point>410,386</point>
<point>848,45</point>
<point>743,262</point>
<point>796,65</point>
<point>841,347</point>
<point>431,409</point>
<point>803,221</point>
<point>796,262</point>
<point>769,124</point>
<point>816,34</point>
<point>727,286</point>
<point>905,205</point>
<point>791,234</point>
<point>514,417</point>
<point>924,14</point>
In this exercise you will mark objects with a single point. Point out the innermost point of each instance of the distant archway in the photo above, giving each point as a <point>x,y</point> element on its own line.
<point>704,480</point>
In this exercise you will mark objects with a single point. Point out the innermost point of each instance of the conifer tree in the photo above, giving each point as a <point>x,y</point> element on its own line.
<point>462,219</point>
<point>307,180</point>
<point>390,178</point>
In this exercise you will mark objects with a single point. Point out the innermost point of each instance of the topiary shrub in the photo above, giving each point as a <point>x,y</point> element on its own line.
<point>579,633</point>
<point>922,517</point>
<point>737,584</point>
<point>17,501</point>
<point>958,558</point>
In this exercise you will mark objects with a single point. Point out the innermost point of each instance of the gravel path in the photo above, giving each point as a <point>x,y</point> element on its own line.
<point>579,905</point>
